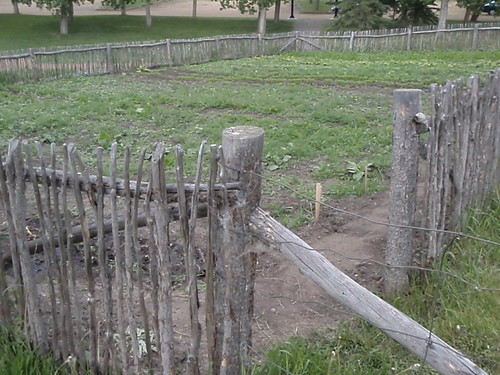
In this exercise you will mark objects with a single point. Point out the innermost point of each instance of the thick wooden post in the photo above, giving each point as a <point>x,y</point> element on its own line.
<point>242,148</point>
<point>402,189</point>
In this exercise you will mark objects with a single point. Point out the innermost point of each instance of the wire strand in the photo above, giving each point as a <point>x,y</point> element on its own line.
<point>378,222</point>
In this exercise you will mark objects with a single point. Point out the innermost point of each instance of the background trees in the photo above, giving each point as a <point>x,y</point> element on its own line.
<point>472,9</point>
<point>376,14</point>
<point>118,4</point>
<point>366,15</point>
<point>15,4</point>
<point>64,8</point>
<point>251,7</point>
<point>418,12</point>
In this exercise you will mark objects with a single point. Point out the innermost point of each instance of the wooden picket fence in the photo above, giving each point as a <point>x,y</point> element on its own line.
<point>460,169</point>
<point>463,152</point>
<point>93,260</point>
<point>53,63</point>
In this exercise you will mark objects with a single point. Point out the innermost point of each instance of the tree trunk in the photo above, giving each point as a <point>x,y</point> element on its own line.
<point>71,11</point>
<point>474,17</point>
<point>467,14</point>
<point>277,9</point>
<point>261,29</point>
<point>15,5</point>
<point>317,5</point>
<point>123,8</point>
<point>64,24</point>
<point>195,6</point>
<point>443,15</point>
<point>149,20</point>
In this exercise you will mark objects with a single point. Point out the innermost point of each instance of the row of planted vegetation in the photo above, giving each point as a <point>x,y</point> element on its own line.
<point>325,115</point>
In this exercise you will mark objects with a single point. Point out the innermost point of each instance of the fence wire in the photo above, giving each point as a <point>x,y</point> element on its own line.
<point>441,273</point>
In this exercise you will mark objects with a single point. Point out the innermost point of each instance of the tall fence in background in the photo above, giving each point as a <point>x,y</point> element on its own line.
<point>460,169</point>
<point>52,63</point>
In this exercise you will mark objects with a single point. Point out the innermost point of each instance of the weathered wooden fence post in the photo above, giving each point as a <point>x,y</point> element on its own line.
<point>170,58</point>
<point>475,36</point>
<point>402,189</point>
<point>351,40</point>
<point>34,64</point>
<point>409,40</point>
<point>218,47</point>
<point>242,148</point>
<point>261,45</point>
<point>110,62</point>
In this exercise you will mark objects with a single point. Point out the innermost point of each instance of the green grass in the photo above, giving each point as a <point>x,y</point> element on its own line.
<point>18,357</point>
<point>315,6</point>
<point>27,31</point>
<point>319,111</point>
<point>465,317</point>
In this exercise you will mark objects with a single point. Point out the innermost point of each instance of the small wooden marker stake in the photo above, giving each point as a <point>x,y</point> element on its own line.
<point>319,192</point>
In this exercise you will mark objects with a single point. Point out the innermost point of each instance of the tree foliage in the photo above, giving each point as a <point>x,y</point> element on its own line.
<point>64,8</point>
<point>251,7</point>
<point>472,9</point>
<point>417,12</point>
<point>355,15</point>
<point>246,6</point>
<point>118,4</point>
<point>376,14</point>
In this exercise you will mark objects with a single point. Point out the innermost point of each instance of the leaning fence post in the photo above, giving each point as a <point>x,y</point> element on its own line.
<point>242,148</point>
<point>402,189</point>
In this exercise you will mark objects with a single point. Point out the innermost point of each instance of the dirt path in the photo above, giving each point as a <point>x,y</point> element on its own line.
<point>288,303</point>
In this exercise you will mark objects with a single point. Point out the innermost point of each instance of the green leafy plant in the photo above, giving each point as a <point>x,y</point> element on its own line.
<point>142,69</point>
<point>274,162</point>
<point>359,170</point>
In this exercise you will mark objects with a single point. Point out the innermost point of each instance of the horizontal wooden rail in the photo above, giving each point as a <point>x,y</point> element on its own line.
<point>414,337</point>
<point>120,188</point>
<point>37,245</point>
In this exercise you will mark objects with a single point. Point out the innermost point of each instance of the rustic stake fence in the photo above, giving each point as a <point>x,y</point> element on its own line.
<point>36,64</point>
<point>95,287</point>
<point>460,168</point>
<point>110,302</point>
